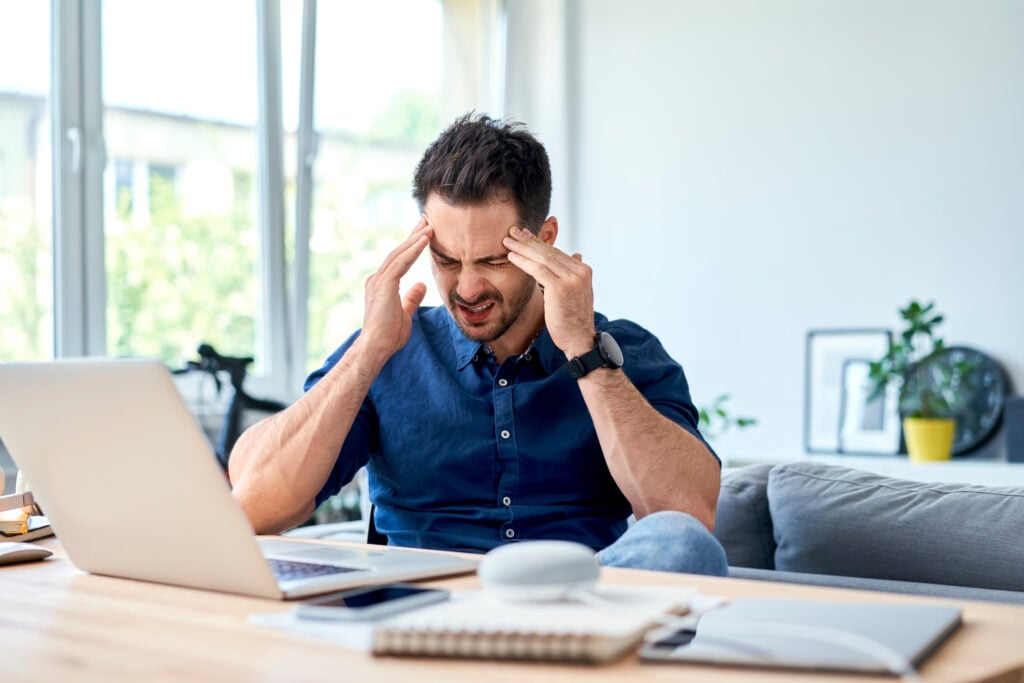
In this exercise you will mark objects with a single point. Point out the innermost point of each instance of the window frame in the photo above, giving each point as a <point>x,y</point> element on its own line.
<point>79,277</point>
<point>79,161</point>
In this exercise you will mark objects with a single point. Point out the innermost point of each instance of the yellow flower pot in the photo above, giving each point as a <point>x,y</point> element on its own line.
<point>929,439</point>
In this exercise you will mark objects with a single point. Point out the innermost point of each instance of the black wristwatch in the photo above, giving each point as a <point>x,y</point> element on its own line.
<point>605,354</point>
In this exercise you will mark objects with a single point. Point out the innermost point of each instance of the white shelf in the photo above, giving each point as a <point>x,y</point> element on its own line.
<point>965,471</point>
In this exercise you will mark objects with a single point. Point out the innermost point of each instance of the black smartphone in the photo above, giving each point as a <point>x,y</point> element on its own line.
<point>665,644</point>
<point>370,603</point>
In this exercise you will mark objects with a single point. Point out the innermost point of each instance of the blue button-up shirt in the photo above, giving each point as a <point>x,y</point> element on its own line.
<point>466,454</point>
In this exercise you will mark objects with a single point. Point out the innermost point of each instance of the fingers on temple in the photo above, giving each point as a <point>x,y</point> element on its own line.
<point>549,263</point>
<point>404,255</point>
<point>531,253</point>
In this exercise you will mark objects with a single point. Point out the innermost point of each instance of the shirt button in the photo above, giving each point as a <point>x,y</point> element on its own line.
<point>506,501</point>
<point>505,433</point>
<point>528,357</point>
<point>510,533</point>
<point>476,358</point>
<point>502,382</point>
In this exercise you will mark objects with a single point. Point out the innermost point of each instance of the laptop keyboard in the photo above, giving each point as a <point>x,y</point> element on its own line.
<point>289,570</point>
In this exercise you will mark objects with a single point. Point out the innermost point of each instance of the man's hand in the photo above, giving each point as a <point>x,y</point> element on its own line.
<point>568,289</point>
<point>387,320</point>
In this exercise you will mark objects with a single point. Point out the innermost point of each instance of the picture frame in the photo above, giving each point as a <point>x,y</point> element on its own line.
<point>866,424</point>
<point>826,374</point>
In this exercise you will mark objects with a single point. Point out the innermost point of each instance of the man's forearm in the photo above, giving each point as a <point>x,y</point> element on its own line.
<point>278,465</point>
<point>657,464</point>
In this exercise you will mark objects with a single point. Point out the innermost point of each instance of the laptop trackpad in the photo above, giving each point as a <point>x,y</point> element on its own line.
<point>308,552</point>
<point>327,555</point>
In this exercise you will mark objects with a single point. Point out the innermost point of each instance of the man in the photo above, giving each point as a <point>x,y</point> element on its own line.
<point>504,415</point>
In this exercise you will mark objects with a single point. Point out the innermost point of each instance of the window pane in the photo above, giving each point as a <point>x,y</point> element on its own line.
<point>181,229</point>
<point>26,263</point>
<point>378,104</point>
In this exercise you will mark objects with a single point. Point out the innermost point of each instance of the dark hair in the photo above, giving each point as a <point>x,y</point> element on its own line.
<point>479,158</point>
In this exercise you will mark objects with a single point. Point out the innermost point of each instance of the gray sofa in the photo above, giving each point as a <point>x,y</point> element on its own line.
<point>805,522</point>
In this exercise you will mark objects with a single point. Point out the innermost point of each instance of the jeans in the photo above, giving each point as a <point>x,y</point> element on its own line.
<point>667,541</point>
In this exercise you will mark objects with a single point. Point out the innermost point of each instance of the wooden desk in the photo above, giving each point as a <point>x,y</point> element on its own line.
<point>60,624</point>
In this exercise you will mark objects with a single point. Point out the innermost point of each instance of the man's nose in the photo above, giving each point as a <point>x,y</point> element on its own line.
<point>471,285</point>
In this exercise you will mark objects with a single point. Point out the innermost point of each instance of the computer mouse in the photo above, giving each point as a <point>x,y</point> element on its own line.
<point>538,571</point>
<point>13,552</point>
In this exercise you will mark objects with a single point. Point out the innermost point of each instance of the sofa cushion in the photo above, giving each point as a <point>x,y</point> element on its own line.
<point>742,524</point>
<point>834,520</point>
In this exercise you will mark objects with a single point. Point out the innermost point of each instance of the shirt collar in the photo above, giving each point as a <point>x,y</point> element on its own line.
<point>467,350</point>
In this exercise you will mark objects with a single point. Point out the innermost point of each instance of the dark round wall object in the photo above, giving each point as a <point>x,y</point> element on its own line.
<point>984,388</point>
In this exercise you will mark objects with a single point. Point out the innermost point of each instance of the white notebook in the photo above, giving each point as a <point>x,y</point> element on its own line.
<point>875,637</point>
<point>477,625</point>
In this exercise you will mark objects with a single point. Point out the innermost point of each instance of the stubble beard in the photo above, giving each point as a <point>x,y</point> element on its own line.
<point>507,316</point>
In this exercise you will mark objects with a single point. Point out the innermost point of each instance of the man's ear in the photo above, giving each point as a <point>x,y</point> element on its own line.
<point>548,231</point>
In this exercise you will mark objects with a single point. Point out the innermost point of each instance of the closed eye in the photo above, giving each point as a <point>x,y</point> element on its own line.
<point>498,264</point>
<point>446,265</point>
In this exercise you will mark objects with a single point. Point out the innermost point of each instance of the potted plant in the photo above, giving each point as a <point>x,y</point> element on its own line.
<point>928,407</point>
<point>716,418</point>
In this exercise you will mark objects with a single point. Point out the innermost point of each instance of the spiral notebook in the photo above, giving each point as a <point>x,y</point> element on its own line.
<point>477,625</point>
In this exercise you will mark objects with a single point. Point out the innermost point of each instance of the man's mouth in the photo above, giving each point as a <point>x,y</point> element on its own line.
<point>475,315</point>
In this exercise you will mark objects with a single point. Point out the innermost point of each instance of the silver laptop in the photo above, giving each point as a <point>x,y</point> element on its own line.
<point>132,488</point>
<point>871,637</point>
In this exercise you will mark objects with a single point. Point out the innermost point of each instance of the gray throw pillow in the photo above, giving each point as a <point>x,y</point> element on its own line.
<point>742,523</point>
<point>834,520</point>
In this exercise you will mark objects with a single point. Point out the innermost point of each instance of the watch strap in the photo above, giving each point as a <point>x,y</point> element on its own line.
<point>585,364</point>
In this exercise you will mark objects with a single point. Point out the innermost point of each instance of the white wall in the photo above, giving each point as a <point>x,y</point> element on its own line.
<point>746,171</point>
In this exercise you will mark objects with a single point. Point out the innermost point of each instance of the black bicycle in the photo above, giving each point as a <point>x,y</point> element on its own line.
<point>243,409</point>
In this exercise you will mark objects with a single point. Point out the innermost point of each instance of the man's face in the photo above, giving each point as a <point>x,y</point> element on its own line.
<point>484,292</point>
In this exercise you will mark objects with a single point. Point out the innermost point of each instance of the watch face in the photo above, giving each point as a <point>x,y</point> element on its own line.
<point>610,351</point>
<point>977,406</point>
